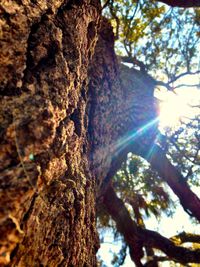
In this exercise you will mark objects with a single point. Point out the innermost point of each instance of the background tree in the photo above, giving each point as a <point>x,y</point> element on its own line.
<point>65,119</point>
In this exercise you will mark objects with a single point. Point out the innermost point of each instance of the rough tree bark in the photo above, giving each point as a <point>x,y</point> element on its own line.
<point>62,119</point>
<point>47,200</point>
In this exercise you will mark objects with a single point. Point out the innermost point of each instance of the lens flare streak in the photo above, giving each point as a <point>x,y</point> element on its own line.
<point>123,142</point>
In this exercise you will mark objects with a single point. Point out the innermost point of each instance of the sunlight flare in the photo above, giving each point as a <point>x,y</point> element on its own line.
<point>123,142</point>
<point>175,106</point>
<point>173,109</point>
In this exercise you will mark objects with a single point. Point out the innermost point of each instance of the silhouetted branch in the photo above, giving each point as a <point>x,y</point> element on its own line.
<point>182,75</point>
<point>137,237</point>
<point>143,69</point>
<point>158,160</point>
<point>181,3</point>
<point>135,61</point>
<point>115,207</point>
<point>185,85</point>
<point>185,238</point>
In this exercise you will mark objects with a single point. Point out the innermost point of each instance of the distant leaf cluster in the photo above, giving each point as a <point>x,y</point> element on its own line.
<point>161,37</point>
<point>183,147</point>
<point>141,188</point>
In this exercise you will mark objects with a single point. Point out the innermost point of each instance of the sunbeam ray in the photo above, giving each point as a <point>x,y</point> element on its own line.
<point>132,136</point>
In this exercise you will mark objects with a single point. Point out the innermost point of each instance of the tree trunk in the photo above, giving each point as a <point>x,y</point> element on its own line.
<point>58,137</point>
<point>47,200</point>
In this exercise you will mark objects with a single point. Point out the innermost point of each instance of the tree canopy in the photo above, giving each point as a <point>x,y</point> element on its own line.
<point>161,41</point>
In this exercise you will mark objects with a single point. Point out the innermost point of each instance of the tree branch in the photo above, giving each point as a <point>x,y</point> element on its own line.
<point>175,78</point>
<point>135,61</point>
<point>115,207</point>
<point>185,238</point>
<point>181,3</point>
<point>143,69</point>
<point>158,160</point>
<point>132,233</point>
<point>185,85</point>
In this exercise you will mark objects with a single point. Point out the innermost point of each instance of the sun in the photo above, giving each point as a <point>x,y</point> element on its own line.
<point>178,105</point>
<point>172,109</point>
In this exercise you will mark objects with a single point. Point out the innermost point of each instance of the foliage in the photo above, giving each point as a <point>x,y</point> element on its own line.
<point>119,258</point>
<point>162,38</point>
<point>140,187</point>
<point>164,42</point>
<point>183,146</point>
<point>144,194</point>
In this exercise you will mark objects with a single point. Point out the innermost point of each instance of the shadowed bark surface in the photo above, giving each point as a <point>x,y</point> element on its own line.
<point>121,102</point>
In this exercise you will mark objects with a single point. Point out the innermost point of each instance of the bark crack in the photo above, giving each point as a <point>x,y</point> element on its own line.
<point>29,211</point>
